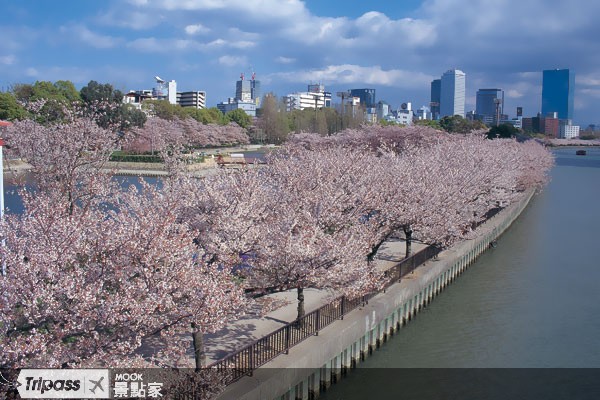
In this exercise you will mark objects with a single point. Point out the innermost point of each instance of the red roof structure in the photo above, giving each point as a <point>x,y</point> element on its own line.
<point>5,123</point>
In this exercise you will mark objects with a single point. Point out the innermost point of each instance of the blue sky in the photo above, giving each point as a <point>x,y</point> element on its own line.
<point>394,46</point>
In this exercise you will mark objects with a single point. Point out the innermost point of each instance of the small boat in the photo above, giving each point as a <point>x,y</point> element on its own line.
<point>580,152</point>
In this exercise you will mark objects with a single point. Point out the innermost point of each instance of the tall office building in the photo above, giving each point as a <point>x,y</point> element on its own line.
<point>452,93</point>
<point>558,89</point>
<point>248,91</point>
<point>485,104</point>
<point>436,90</point>
<point>366,96</point>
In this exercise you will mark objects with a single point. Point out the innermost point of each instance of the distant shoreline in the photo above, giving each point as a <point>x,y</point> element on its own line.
<point>572,143</point>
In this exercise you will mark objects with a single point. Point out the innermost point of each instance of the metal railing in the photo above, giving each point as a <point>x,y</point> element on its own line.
<point>250,357</point>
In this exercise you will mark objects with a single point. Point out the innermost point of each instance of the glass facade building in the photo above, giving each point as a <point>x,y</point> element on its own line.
<point>452,93</point>
<point>436,92</point>
<point>558,89</point>
<point>485,103</point>
<point>366,96</point>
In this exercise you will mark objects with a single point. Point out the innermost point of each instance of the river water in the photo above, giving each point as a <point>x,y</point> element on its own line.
<point>526,311</point>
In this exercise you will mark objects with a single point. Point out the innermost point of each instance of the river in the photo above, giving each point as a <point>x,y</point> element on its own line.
<point>520,318</point>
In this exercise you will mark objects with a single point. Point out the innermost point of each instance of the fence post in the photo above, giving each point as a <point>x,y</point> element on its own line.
<point>251,359</point>
<point>318,322</point>
<point>287,338</point>
<point>343,307</point>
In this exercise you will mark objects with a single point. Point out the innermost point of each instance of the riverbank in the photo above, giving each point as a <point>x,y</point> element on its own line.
<point>19,167</point>
<point>572,142</point>
<point>321,360</point>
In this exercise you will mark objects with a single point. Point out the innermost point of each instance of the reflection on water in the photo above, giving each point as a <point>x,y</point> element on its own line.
<point>531,302</point>
<point>14,205</point>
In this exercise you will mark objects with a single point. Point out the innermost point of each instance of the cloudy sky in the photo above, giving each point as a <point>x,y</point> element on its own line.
<point>394,46</point>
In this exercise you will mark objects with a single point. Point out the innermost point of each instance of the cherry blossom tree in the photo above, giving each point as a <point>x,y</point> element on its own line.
<point>68,157</point>
<point>95,273</point>
<point>92,287</point>
<point>160,134</point>
<point>436,184</point>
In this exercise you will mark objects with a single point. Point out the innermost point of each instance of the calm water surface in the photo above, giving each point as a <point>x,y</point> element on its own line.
<point>533,302</point>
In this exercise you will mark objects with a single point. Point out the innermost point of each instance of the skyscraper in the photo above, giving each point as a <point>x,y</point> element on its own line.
<point>452,93</point>
<point>248,91</point>
<point>366,96</point>
<point>558,89</point>
<point>436,88</point>
<point>485,104</point>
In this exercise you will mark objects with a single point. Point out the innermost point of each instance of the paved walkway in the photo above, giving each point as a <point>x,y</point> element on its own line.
<point>254,326</point>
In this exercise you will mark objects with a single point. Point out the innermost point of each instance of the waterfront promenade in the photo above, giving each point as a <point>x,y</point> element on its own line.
<point>254,325</point>
<point>319,360</point>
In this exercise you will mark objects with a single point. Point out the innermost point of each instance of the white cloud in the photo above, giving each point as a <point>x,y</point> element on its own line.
<point>154,45</point>
<point>355,74</point>
<point>8,60</point>
<point>243,44</point>
<point>136,20</point>
<point>284,60</point>
<point>231,61</point>
<point>83,34</point>
<point>514,94</point>
<point>255,9</point>
<point>32,72</point>
<point>587,80</point>
<point>196,29</point>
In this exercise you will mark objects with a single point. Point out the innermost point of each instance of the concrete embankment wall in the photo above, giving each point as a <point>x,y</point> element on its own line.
<point>321,360</point>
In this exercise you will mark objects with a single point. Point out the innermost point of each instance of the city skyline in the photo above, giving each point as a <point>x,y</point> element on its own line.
<point>397,49</point>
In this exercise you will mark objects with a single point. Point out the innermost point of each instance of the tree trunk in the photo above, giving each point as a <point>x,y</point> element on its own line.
<point>198,341</point>
<point>300,303</point>
<point>408,233</point>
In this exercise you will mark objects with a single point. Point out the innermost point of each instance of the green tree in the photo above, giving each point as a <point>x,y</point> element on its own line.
<point>428,122</point>
<point>67,90</point>
<point>22,91</point>
<point>273,120</point>
<point>59,96</point>
<point>502,131</point>
<point>165,110</point>
<point>10,109</point>
<point>94,92</point>
<point>458,124</point>
<point>240,117</point>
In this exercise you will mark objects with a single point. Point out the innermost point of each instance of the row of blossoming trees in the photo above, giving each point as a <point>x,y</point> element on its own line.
<point>97,275</point>
<point>160,133</point>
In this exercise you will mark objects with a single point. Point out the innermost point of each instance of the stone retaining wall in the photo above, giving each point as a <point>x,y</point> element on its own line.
<point>321,360</point>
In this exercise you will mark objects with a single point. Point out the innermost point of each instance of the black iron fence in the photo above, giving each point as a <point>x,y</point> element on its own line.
<point>247,359</point>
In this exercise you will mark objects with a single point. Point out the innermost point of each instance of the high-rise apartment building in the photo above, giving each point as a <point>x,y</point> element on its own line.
<point>558,90</point>
<point>489,105</point>
<point>452,93</point>
<point>436,93</point>
<point>196,99</point>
